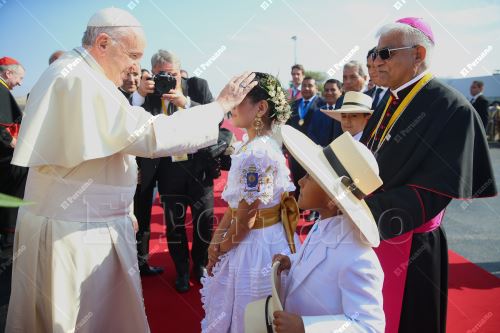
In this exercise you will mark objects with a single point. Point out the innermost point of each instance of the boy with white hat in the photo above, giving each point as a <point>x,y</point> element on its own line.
<point>335,280</point>
<point>354,113</point>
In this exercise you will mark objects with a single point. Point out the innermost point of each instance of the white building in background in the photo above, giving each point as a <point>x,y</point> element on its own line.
<point>491,85</point>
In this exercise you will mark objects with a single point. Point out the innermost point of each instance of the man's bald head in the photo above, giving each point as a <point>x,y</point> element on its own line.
<point>54,56</point>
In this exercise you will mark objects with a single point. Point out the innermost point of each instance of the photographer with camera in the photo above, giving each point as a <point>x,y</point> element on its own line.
<point>185,180</point>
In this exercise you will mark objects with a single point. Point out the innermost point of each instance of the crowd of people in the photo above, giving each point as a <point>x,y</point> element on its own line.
<point>374,162</point>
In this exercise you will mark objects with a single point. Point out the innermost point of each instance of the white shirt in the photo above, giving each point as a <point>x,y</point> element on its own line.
<point>409,83</point>
<point>358,136</point>
<point>381,94</point>
<point>336,281</point>
<point>473,99</point>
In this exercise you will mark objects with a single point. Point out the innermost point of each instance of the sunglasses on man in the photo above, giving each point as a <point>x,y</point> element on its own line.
<point>386,52</point>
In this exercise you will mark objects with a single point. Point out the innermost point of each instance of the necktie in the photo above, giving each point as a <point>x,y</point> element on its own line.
<point>330,107</point>
<point>376,99</point>
<point>303,111</point>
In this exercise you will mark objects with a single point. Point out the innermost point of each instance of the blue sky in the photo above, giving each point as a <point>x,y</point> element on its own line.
<point>256,34</point>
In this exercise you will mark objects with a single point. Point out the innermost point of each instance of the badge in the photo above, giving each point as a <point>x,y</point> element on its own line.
<point>252,179</point>
<point>301,122</point>
<point>180,158</point>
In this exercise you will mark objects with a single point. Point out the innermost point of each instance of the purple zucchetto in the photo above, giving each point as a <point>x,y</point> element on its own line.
<point>419,24</point>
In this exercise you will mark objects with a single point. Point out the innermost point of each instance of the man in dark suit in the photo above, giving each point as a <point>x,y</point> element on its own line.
<point>321,129</point>
<point>479,102</point>
<point>355,79</point>
<point>12,177</point>
<point>303,110</point>
<point>377,92</point>
<point>184,180</point>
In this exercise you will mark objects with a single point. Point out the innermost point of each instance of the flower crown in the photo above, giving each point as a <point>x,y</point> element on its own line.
<point>272,86</point>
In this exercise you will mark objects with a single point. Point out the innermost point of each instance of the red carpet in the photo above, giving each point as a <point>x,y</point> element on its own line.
<point>473,305</point>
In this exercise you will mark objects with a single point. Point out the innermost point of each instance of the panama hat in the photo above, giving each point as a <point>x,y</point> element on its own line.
<point>354,102</point>
<point>259,314</point>
<point>346,170</point>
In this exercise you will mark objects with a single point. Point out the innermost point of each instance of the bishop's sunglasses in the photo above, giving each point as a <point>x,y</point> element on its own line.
<point>386,52</point>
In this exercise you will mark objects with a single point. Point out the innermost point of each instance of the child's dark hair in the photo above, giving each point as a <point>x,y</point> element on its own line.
<point>258,93</point>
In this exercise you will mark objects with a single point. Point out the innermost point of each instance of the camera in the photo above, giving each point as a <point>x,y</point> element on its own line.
<point>214,157</point>
<point>164,82</point>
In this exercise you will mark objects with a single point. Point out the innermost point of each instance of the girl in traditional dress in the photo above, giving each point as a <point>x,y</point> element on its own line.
<point>261,218</point>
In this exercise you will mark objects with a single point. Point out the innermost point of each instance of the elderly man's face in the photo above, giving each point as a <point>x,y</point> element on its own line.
<point>121,54</point>
<point>352,80</point>
<point>14,77</point>
<point>131,79</point>
<point>308,88</point>
<point>401,67</point>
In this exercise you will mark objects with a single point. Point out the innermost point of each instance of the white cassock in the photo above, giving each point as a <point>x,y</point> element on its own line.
<point>75,266</point>
<point>335,282</point>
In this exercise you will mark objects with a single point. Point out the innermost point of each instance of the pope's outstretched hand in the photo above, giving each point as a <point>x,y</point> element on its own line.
<point>236,90</point>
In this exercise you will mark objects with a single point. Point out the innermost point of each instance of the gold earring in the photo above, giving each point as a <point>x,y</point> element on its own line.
<point>258,125</point>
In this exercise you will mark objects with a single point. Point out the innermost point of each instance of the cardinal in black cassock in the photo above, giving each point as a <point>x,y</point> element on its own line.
<point>12,178</point>
<point>431,148</point>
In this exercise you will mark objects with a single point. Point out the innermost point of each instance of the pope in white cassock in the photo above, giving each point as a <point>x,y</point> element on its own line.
<point>75,265</point>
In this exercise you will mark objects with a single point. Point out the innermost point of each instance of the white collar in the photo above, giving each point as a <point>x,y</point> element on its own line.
<point>310,99</point>
<point>89,59</point>
<point>358,136</point>
<point>409,83</point>
<point>476,96</point>
<point>322,224</point>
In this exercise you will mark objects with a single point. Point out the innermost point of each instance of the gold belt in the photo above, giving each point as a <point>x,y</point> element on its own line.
<point>287,211</point>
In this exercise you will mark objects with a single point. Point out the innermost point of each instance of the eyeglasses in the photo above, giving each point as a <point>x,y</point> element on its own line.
<point>385,53</point>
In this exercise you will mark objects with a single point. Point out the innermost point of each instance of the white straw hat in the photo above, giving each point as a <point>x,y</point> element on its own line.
<point>354,102</point>
<point>346,170</point>
<point>259,314</point>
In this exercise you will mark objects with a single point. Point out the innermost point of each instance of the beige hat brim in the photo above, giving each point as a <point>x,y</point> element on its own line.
<point>255,320</point>
<point>311,158</point>
<point>337,114</point>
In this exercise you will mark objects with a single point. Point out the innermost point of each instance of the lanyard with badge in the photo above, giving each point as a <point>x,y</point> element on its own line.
<point>303,108</point>
<point>165,109</point>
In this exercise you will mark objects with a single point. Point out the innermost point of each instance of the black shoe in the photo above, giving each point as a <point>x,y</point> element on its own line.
<point>147,270</point>
<point>199,271</point>
<point>312,216</point>
<point>182,283</point>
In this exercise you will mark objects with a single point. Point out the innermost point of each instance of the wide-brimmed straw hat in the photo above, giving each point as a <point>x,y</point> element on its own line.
<point>259,314</point>
<point>346,170</point>
<point>354,102</point>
